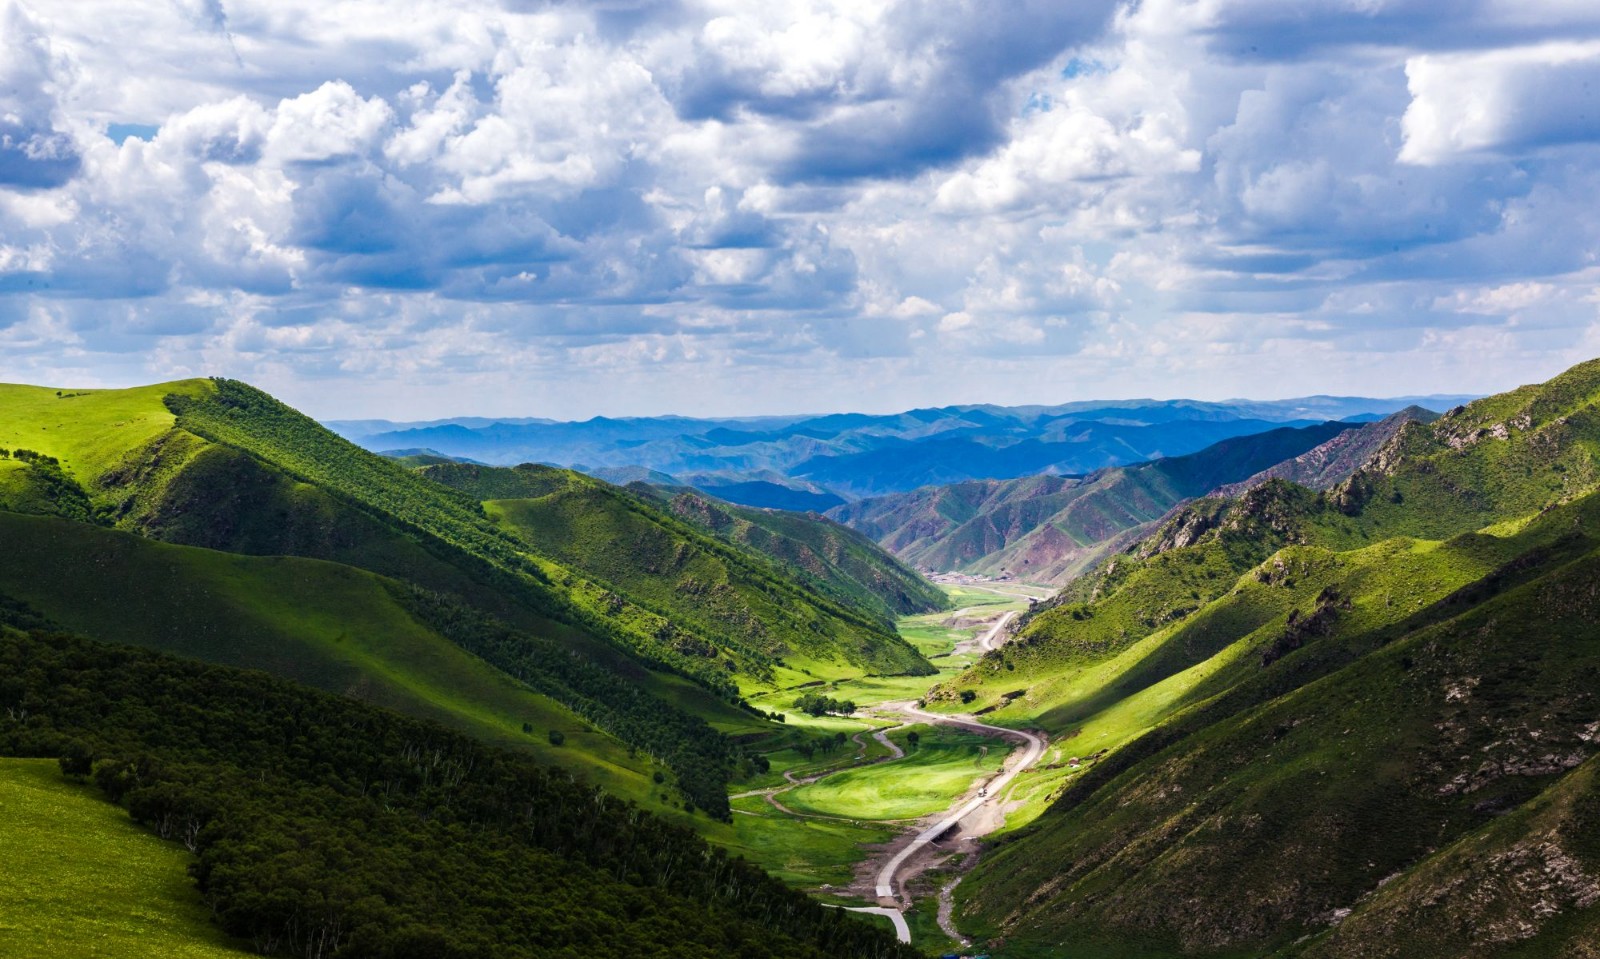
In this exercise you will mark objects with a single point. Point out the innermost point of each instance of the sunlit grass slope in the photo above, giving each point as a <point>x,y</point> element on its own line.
<point>1278,705</point>
<point>89,431</point>
<point>707,588</point>
<point>220,465</point>
<point>81,880</point>
<point>319,623</point>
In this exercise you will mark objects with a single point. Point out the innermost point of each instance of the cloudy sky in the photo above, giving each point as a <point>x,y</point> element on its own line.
<point>418,209</point>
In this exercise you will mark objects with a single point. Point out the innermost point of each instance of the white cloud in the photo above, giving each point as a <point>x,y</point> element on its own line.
<point>1513,99</point>
<point>330,122</point>
<point>891,203</point>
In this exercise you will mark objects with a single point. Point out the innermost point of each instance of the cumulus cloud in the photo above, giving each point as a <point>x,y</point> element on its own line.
<point>1510,100</point>
<point>34,151</point>
<point>880,204</point>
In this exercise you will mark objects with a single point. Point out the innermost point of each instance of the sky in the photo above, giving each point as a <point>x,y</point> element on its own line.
<point>422,209</point>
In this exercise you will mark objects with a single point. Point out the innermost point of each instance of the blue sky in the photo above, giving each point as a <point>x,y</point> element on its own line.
<point>622,207</point>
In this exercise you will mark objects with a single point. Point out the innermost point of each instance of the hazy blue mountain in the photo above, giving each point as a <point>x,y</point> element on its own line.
<point>804,462</point>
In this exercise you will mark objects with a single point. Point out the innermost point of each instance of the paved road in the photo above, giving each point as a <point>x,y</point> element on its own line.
<point>901,929</point>
<point>888,876</point>
<point>987,642</point>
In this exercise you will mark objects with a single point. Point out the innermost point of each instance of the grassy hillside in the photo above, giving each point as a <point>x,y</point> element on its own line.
<point>707,589</point>
<point>329,626</point>
<point>82,880</point>
<point>1356,722</point>
<point>322,826</point>
<point>1049,528</point>
<point>1309,798</point>
<point>832,559</point>
<point>219,465</point>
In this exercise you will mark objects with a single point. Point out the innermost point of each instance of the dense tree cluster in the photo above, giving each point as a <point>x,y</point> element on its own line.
<point>816,704</point>
<point>47,489</point>
<point>325,827</point>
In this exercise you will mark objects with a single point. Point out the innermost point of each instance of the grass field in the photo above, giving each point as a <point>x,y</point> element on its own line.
<point>932,774</point>
<point>808,853</point>
<point>817,852</point>
<point>87,430</point>
<point>81,880</point>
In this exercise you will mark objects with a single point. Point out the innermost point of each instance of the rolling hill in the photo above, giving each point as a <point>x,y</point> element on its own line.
<point>220,466</point>
<point>1359,721</point>
<point>834,559</point>
<point>705,587</point>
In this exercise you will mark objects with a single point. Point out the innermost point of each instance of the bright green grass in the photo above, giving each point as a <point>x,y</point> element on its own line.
<point>89,433</point>
<point>327,625</point>
<point>803,852</point>
<point>964,597</point>
<point>927,780</point>
<point>81,880</point>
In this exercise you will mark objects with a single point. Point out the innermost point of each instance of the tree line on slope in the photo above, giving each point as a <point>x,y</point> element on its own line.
<point>324,827</point>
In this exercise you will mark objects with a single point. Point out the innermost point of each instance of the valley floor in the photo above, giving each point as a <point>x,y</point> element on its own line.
<point>883,815</point>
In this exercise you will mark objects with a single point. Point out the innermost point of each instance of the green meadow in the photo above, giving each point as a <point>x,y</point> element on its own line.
<point>934,772</point>
<point>82,880</point>
<point>810,853</point>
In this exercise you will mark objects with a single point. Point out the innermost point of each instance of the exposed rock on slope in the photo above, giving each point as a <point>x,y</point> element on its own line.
<point>1051,528</point>
<point>1338,459</point>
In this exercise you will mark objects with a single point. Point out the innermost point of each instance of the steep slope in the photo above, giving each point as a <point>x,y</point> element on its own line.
<point>220,465</point>
<point>1047,528</point>
<point>1413,747</point>
<point>329,626</point>
<point>1300,716</point>
<point>704,587</point>
<point>319,826</point>
<point>1338,459</point>
<point>835,560</point>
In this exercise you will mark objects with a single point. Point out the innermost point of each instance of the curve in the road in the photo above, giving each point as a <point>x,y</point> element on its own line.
<point>902,930</point>
<point>887,876</point>
<point>987,642</point>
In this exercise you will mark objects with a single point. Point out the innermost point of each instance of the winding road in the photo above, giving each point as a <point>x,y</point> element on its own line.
<point>890,878</point>
<point>1034,746</point>
<point>987,642</point>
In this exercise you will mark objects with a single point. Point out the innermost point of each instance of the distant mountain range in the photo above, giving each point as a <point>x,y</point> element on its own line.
<point>1052,528</point>
<point>818,462</point>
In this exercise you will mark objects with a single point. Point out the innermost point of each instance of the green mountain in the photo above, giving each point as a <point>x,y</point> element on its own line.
<point>1333,462</point>
<point>220,466</point>
<point>1352,722</point>
<point>324,624</point>
<point>1050,528</point>
<point>705,587</point>
<point>832,559</point>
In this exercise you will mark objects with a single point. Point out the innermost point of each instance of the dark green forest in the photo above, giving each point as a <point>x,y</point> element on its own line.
<point>323,826</point>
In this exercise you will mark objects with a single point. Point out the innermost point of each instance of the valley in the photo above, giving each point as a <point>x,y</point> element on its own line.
<point>916,789</point>
<point>1277,720</point>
